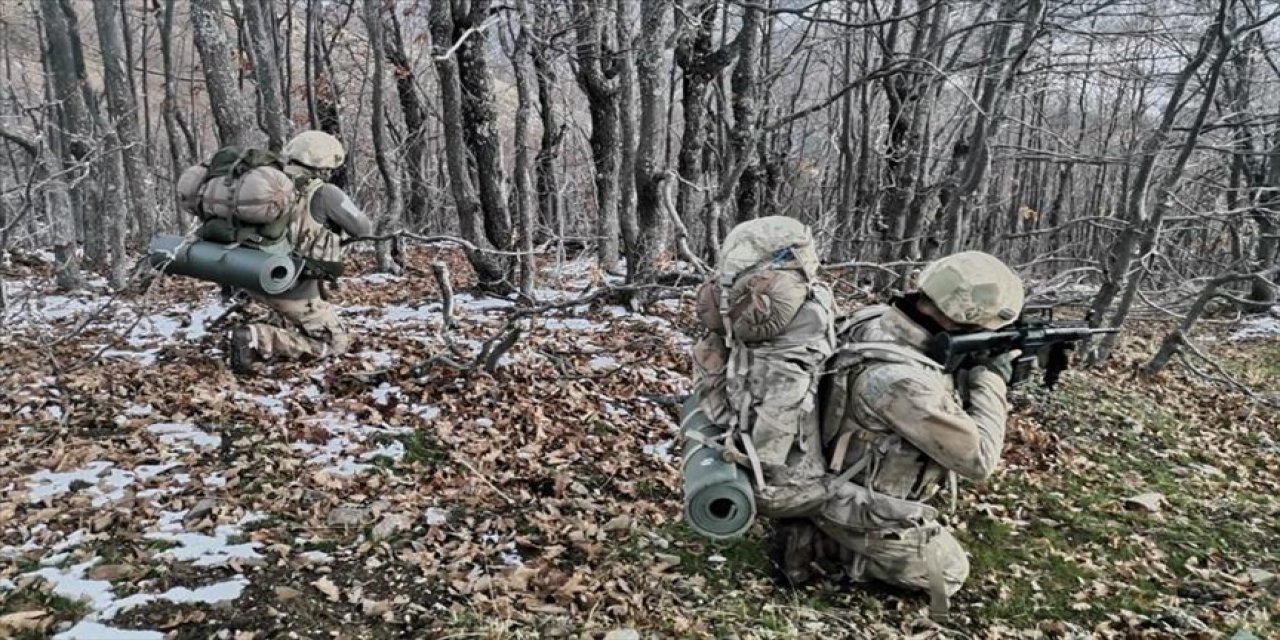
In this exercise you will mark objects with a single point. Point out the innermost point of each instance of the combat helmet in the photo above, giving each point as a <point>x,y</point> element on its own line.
<point>315,150</point>
<point>974,288</point>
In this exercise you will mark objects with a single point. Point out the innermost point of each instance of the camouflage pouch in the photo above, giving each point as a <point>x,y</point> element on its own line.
<point>855,508</point>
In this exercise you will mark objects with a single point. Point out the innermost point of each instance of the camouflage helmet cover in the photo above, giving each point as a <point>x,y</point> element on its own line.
<point>973,287</point>
<point>316,150</point>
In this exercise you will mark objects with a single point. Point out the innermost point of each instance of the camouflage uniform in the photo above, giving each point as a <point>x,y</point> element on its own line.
<point>325,212</point>
<point>314,327</point>
<point>899,429</point>
<point>907,418</point>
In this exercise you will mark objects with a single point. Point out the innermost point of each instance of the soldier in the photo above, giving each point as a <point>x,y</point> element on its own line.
<point>899,429</point>
<point>324,214</point>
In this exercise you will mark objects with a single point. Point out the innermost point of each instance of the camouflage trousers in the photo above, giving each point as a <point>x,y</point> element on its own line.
<point>924,559</point>
<point>314,330</point>
<point>927,558</point>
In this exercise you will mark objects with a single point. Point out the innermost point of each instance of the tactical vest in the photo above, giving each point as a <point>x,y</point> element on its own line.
<point>852,433</point>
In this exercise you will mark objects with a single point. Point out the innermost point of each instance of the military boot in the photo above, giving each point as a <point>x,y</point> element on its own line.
<point>240,350</point>
<point>795,551</point>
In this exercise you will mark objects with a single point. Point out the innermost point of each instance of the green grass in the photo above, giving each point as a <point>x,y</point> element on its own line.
<point>422,446</point>
<point>1075,552</point>
<point>35,598</point>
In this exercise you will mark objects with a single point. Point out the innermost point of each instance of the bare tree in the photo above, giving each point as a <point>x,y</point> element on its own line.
<point>271,113</point>
<point>231,114</point>
<point>123,107</point>
<point>389,220</point>
<point>652,224</point>
<point>491,272</point>
<point>597,76</point>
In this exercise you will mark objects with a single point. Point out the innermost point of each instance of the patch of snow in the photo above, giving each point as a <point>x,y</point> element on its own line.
<point>436,517</point>
<point>553,295</point>
<point>379,359</point>
<point>604,362</point>
<point>215,480</point>
<point>49,308</point>
<point>54,560</point>
<point>207,551</point>
<point>171,521</point>
<point>99,596</point>
<point>145,358</point>
<point>1261,327</point>
<point>175,433</point>
<point>384,392</point>
<point>54,411</point>
<point>201,318</point>
<point>210,594</point>
<point>153,328</point>
<point>316,557</point>
<point>139,411</point>
<point>511,556</point>
<point>573,324</point>
<point>91,630</point>
<point>149,471</point>
<point>396,313</point>
<point>70,583</point>
<point>274,406</point>
<point>74,540</point>
<point>395,451</point>
<point>660,450</point>
<point>378,278</point>
<point>484,423</point>
<point>105,488</point>
<point>426,412</point>
<point>482,304</point>
<point>7,585</point>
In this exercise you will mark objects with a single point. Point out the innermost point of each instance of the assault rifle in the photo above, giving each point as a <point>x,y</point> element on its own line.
<point>1040,340</point>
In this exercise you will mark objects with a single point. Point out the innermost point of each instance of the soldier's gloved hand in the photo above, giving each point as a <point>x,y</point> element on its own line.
<point>1001,365</point>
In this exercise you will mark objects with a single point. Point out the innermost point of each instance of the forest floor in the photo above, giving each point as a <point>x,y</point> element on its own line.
<point>149,490</point>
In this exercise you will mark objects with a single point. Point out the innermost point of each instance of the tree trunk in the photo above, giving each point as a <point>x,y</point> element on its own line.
<point>1150,233</point>
<point>551,206</point>
<point>745,113</point>
<point>699,63</point>
<point>489,272</point>
<point>271,113</point>
<point>525,214</point>
<point>231,115</point>
<point>1121,253</point>
<point>995,90</point>
<point>415,122</point>
<point>480,120</point>
<point>651,222</point>
<point>597,77</point>
<point>627,127</point>
<point>75,134</point>
<point>389,221</point>
<point>124,110</point>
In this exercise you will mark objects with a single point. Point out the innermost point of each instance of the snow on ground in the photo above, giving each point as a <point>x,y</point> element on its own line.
<point>100,479</point>
<point>1260,327</point>
<point>179,434</point>
<point>350,442</point>
<point>100,598</point>
<point>207,550</point>
<point>352,446</point>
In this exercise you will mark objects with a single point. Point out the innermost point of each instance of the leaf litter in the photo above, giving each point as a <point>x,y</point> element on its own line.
<point>545,497</point>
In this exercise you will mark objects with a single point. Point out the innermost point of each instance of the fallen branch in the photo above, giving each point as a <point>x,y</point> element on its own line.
<point>1180,337</point>
<point>461,242</point>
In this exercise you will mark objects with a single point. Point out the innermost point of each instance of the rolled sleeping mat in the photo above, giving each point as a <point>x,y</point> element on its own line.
<point>719,501</point>
<point>244,267</point>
